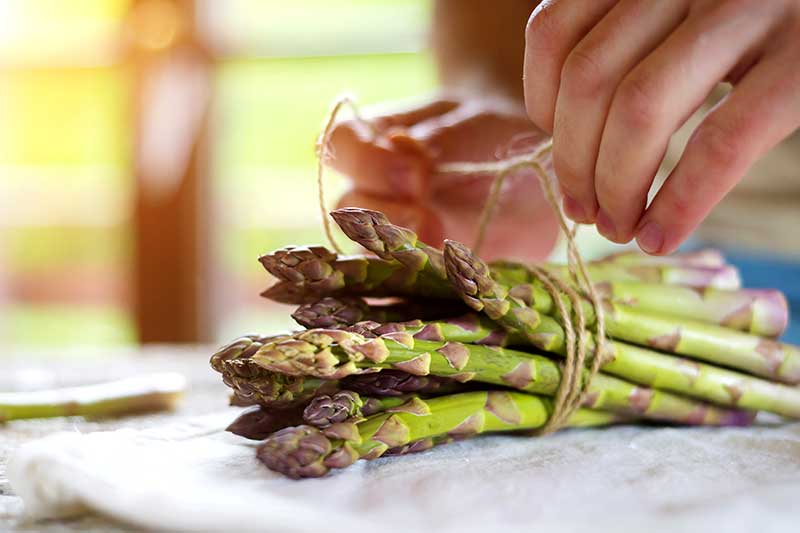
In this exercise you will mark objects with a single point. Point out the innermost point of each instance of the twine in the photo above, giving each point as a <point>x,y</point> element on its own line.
<point>573,386</point>
<point>324,152</point>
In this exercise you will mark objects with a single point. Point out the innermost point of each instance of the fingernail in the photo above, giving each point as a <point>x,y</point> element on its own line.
<point>573,209</point>
<point>650,237</point>
<point>606,226</point>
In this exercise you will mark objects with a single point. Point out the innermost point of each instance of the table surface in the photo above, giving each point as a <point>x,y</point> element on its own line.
<point>761,457</point>
<point>30,370</point>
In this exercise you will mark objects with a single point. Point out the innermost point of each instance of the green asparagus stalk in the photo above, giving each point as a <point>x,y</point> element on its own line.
<point>723,277</point>
<point>335,354</point>
<point>470,328</point>
<point>136,395</point>
<point>332,311</point>
<point>306,451</point>
<point>762,312</point>
<point>418,446</point>
<point>707,257</point>
<point>374,231</point>
<point>526,310</point>
<point>392,383</point>
<point>643,366</point>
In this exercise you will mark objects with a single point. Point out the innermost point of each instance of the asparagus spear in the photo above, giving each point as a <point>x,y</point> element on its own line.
<point>334,354</point>
<point>524,311</point>
<point>251,384</point>
<point>306,451</point>
<point>389,382</point>
<point>374,231</point>
<point>342,311</point>
<point>707,257</point>
<point>142,394</point>
<point>258,422</point>
<point>724,277</point>
<point>761,312</point>
<point>307,273</point>
<point>471,328</point>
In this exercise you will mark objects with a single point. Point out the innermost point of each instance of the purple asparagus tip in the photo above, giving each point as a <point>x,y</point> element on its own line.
<point>299,263</point>
<point>296,452</point>
<point>359,225</point>
<point>324,411</point>
<point>740,418</point>
<point>241,348</point>
<point>331,312</point>
<point>771,310</point>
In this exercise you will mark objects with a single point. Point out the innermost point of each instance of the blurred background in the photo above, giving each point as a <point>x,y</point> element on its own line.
<point>150,150</point>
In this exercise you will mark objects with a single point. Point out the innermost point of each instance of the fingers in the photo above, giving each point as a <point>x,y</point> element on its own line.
<point>475,131</point>
<point>407,114</point>
<point>657,96</point>
<point>374,165</point>
<point>763,109</point>
<point>378,156</point>
<point>554,28</point>
<point>591,73</point>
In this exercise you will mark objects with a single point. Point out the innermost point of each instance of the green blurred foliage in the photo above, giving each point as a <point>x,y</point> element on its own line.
<point>70,130</point>
<point>271,110</point>
<point>64,325</point>
<point>47,250</point>
<point>66,117</point>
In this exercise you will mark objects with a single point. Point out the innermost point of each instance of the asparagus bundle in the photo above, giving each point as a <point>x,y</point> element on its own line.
<point>463,347</point>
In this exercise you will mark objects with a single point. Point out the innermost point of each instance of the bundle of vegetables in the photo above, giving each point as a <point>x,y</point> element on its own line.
<point>415,346</point>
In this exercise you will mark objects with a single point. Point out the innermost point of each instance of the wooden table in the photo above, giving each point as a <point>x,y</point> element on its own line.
<point>26,370</point>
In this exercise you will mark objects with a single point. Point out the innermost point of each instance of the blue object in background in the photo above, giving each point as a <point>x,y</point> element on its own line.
<point>763,271</point>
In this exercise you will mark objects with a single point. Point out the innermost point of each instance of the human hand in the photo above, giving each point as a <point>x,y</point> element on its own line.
<point>612,80</point>
<point>393,160</point>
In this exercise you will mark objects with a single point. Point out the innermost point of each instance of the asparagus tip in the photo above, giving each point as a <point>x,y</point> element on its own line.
<point>296,452</point>
<point>324,411</point>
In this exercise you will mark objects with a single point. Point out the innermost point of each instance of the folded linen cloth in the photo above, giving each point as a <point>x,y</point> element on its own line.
<point>192,476</point>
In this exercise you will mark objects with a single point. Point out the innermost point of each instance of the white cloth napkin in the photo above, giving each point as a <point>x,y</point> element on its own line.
<point>193,476</point>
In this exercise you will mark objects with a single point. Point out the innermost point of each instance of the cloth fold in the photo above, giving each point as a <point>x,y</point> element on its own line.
<point>192,476</point>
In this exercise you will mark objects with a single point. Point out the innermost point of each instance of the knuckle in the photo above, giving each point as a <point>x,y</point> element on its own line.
<point>638,102</point>
<point>583,73</point>
<point>680,206</point>
<point>718,144</point>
